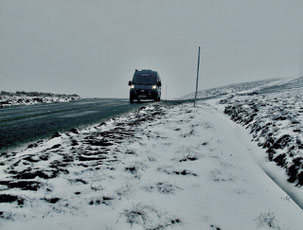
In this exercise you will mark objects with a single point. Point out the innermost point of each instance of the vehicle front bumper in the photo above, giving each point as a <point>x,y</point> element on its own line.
<point>143,93</point>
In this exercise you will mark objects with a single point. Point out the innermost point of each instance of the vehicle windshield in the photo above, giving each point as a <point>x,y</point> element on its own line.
<point>144,80</point>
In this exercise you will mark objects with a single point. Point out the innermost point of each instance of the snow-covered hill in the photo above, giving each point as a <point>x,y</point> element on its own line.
<point>232,89</point>
<point>31,98</point>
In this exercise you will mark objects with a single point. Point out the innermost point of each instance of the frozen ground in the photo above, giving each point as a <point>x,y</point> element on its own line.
<point>31,98</point>
<point>157,168</point>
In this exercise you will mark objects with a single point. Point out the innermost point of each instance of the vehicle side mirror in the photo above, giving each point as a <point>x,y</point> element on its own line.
<point>130,83</point>
<point>159,83</point>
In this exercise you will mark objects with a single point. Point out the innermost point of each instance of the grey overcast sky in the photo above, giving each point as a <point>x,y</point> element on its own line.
<point>92,47</point>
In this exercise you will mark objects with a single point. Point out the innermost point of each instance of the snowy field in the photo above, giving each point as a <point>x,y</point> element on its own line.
<point>157,168</point>
<point>31,98</point>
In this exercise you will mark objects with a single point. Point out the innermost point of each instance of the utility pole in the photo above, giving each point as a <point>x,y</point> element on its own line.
<point>197,81</point>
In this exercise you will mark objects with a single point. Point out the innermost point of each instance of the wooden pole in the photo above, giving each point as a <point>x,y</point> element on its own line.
<point>197,81</point>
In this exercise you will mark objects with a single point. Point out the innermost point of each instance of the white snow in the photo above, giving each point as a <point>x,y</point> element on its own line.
<point>191,168</point>
<point>8,99</point>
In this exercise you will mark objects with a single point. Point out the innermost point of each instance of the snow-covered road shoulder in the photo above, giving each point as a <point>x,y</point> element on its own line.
<point>158,168</point>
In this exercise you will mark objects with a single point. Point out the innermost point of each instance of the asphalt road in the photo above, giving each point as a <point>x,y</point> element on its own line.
<point>23,124</point>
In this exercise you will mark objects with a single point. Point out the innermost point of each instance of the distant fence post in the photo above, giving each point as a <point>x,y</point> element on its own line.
<point>197,80</point>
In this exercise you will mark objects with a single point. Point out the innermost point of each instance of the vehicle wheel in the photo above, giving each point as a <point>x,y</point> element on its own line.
<point>138,100</point>
<point>131,100</point>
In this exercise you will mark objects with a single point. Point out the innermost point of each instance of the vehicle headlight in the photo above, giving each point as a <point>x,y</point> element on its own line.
<point>154,87</point>
<point>132,86</point>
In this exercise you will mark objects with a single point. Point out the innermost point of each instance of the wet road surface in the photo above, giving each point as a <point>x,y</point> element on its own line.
<point>23,124</point>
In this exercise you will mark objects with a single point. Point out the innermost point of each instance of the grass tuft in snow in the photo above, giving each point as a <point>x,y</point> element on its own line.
<point>267,220</point>
<point>148,217</point>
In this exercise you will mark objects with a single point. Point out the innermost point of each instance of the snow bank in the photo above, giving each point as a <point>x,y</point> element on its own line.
<point>275,122</point>
<point>31,98</point>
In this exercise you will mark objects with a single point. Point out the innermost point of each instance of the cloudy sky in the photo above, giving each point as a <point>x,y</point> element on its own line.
<point>92,47</point>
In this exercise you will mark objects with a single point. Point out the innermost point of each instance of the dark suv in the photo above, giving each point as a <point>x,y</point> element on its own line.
<point>146,84</point>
